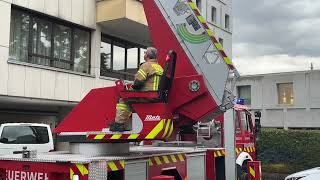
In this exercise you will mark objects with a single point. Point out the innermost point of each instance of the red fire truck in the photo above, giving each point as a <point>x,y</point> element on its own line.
<point>186,121</point>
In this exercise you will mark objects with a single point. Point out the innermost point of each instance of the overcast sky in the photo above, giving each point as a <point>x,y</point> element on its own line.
<point>276,35</point>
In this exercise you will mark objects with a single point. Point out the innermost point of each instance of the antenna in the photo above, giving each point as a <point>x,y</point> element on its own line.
<point>311,66</point>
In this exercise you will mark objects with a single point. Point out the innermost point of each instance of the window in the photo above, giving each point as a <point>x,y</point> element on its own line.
<point>105,54</point>
<point>227,21</point>
<point>120,59</point>
<point>38,39</point>
<point>214,14</point>
<point>245,120</point>
<point>244,92</point>
<point>132,60</point>
<point>221,41</point>
<point>237,125</point>
<point>24,135</point>
<point>142,51</point>
<point>198,2</point>
<point>285,93</point>
<point>81,43</point>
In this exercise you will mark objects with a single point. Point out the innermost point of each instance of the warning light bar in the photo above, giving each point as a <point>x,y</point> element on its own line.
<point>239,101</point>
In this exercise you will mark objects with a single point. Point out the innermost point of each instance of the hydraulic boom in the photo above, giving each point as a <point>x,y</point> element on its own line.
<point>192,89</point>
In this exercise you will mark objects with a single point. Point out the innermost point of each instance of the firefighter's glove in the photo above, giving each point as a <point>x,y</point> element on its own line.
<point>137,85</point>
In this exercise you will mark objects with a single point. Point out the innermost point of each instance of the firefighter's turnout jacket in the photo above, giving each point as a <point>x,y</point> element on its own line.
<point>149,73</point>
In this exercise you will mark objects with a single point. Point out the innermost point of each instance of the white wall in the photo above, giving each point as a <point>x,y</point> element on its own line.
<point>77,11</point>
<point>314,90</point>
<point>5,11</point>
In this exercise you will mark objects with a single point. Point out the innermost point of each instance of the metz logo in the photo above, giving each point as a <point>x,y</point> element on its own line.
<point>152,118</point>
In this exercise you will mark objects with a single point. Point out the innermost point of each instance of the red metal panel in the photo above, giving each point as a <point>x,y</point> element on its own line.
<point>183,101</point>
<point>163,178</point>
<point>155,168</point>
<point>93,113</point>
<point>137,94</point>
<point>180,93</point>
<point>210,165</point>
<point>35,170</point>
<point>254,170</point>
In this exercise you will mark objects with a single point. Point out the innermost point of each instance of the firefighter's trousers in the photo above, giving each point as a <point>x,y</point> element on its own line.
<point>124,111</point>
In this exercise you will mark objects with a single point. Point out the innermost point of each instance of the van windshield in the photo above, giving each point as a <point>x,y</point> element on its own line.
<point>24,135</point>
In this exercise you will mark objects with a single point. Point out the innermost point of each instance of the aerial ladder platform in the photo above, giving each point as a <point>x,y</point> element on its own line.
<point>193,88</point>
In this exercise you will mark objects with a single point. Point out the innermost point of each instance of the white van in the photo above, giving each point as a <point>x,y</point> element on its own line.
<point>310,174</point>
<point>15,136</point>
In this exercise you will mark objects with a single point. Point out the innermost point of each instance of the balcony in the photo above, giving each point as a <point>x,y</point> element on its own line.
<point>124,19</point>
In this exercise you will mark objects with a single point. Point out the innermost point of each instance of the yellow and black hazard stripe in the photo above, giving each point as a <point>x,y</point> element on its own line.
<point>249,149</point>
<point>168,129</point>
<point>79,169</point>
<point>166,159</point>
<point>115,165</point>
<point>164,126</point>
<point>220,153</point>
<point>252,172</point>
<point>246,149</point>
<point>227,60</point>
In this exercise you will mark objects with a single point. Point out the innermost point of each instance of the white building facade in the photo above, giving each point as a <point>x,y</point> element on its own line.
<point>287,100</point>
<point>218,14</point>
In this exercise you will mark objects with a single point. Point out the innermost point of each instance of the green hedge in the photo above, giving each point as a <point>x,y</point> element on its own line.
<point>288,151</point>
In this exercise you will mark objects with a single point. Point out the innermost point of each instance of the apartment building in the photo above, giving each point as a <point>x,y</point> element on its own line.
<point>289,100</point>
<point>53,52</point>
<point>218,14</point>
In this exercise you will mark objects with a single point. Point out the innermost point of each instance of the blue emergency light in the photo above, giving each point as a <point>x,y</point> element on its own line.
<point>239,101</point>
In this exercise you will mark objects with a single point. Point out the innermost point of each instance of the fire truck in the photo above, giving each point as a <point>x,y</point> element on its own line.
<point>190,121</point>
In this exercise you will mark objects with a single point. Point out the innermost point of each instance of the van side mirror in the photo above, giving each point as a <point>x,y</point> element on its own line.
<point>4,140</point>
<point>257,121</point>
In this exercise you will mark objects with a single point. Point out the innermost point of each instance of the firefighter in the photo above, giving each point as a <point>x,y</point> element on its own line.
<point>146,79</point>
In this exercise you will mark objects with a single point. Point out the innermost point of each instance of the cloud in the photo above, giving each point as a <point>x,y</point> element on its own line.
<point>280,29</point>
<point>275,63</point>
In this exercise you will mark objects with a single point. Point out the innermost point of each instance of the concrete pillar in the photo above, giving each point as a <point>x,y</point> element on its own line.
<point>285,120</point>
<point>229,142</point>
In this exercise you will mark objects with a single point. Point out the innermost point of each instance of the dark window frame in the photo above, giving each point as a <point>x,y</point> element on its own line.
<point>227,21</point>
<point>54,21</point>
<point>199,4</point>
<point>126,44</point>
<point>213,14</point>
<point>238,92</point>
<point>280,101</point>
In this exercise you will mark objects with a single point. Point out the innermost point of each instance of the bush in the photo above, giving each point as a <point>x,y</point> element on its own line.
<point>288,151</point>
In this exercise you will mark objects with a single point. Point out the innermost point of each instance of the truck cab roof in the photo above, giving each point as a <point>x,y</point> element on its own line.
<point>24,124</point>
